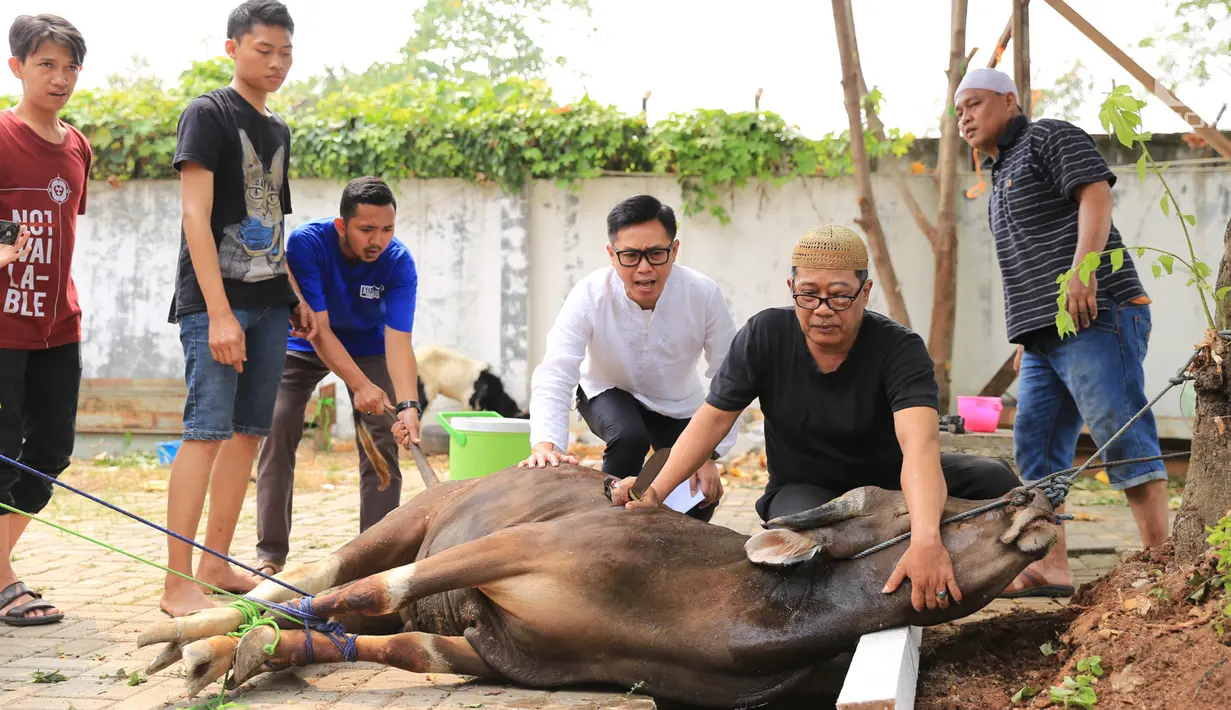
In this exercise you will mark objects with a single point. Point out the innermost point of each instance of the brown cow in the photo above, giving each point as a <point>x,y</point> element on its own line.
<point>532,576</point>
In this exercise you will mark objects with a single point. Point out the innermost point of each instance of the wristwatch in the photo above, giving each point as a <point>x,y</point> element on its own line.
<point>408,404</point>
<point>714,455</point>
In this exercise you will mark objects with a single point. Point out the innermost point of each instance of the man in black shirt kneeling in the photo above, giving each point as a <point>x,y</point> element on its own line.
<point>850,400</point>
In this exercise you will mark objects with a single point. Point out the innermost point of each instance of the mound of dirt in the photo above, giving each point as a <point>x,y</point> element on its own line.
<point>1157,648</point>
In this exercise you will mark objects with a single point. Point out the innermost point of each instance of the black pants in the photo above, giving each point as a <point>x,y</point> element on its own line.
<point>966,476</point>
<point>38,420</point>
<point>629,430</point>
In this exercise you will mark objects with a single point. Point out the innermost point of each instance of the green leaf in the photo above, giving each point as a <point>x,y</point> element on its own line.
<point>1141,168</point>
<point>1191,219</point>
<point>1117,259</point>
<point>1092,664</point>
<point>1141,252</point>
<point>1025,693</point>
<point>1046,648</point>
<point>1222,293</point>
<point>1065,326</point>
<point>1158,270</point>
<point>1165,205</point>
<point>1167,262</point>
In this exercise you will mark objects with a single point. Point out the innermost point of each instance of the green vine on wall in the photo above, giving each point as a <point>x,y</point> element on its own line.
<point>491,134</point>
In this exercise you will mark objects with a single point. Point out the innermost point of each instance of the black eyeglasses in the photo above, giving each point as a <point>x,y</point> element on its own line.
<point>811,301</point>
<point>657,256</point>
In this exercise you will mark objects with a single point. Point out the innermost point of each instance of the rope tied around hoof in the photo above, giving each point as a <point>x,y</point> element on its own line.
<point>301,611</point>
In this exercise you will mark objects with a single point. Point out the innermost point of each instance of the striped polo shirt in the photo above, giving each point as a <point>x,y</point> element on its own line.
<point>1033,213</point>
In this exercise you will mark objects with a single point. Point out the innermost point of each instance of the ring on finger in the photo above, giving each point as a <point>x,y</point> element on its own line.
<point>942,595</point>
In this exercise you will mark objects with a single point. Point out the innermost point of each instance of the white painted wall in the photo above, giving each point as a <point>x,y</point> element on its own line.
<point>477,294</point>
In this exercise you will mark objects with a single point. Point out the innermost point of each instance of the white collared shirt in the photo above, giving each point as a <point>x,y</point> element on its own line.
<point>602,339</point>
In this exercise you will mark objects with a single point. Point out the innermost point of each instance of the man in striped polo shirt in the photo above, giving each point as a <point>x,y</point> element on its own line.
<point>1050,206</point>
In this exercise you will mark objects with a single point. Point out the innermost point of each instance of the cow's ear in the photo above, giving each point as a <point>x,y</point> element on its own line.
<point>780,548</point>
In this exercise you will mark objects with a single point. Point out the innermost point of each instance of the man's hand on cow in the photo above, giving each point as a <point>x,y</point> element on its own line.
<point>930,570</point>
<point>545,454</point>
<point>707,479</point>
<point>622,495</point>
<point>409,419</point>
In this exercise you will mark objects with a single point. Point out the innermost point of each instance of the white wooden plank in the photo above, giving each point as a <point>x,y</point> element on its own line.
<point>884,671</point>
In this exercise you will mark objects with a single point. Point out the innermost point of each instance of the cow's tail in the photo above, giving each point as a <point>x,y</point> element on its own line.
<point>381,464</point>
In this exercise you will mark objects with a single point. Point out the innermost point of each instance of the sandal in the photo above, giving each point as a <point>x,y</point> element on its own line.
<point>270,568</point>
<point>1038,589</point>
<point>17,615</point>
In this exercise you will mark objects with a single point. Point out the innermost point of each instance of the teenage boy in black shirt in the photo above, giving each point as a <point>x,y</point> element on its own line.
<point>233,294</point>
<point>849,400</point>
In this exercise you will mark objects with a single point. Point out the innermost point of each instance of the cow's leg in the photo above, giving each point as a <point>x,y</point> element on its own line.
<point>396,537</point>
<point>491,558</point>
<point>413,651</point>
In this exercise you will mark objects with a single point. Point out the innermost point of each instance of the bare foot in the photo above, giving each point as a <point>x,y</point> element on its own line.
<point>230,580</point>
<point>181,598</point>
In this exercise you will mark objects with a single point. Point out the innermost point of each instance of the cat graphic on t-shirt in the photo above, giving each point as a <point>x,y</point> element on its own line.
<point>252,249</point>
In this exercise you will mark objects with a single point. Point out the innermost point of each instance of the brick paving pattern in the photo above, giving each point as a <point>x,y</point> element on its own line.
<point>108,599</point>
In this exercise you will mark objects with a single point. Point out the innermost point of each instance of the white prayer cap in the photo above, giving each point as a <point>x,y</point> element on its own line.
<point>990,79</point>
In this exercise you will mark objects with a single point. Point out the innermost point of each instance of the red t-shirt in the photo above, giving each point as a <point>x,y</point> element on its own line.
<point>42,186</point>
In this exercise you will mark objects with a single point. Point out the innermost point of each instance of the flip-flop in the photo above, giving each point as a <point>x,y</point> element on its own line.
<point>1038,589</point>
<point>16,615</point>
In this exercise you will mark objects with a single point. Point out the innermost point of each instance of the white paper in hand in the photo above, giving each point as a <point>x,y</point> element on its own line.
<point>680,500</point>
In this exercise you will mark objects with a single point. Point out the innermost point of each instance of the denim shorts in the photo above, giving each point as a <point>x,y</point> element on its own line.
<point>1095,377</point>
<point>220,400</point>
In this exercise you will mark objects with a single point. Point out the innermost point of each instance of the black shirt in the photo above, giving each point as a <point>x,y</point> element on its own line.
<point>834,430</point>
<point>249,155</point>
<point>1033,214</point>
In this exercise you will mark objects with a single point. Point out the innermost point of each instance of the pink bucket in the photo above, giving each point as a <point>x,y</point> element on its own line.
<point>981,413</point>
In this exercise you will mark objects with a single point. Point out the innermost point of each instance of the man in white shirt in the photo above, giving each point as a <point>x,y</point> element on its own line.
<point>627,341</point>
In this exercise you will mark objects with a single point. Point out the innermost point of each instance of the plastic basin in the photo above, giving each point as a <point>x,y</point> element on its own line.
<point>981,414</point>
<point>483,442</point>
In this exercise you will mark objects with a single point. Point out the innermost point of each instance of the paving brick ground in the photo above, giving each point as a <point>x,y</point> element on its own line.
<point>109,598</point>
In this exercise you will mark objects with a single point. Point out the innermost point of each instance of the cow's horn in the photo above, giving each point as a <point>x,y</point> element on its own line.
<point>849,505</point>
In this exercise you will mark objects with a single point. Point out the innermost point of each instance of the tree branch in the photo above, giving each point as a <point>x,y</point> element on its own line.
<point>868,219</point>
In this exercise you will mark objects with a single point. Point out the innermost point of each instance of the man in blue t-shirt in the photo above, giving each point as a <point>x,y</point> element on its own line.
<point>361,283</point>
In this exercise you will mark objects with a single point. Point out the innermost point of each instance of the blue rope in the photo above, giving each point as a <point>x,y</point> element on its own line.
<point>138,518</point>
<point>301,611</point>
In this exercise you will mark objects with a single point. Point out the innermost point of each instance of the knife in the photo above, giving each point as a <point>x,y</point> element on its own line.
<point>644,479</point>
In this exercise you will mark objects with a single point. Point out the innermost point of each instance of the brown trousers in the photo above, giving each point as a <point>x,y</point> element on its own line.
<point>276,463</point>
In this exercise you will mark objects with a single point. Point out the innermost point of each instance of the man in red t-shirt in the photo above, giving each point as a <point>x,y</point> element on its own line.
<point>42,188</point>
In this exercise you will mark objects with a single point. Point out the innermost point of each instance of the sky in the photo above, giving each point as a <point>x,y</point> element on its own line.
<point>689,53</point>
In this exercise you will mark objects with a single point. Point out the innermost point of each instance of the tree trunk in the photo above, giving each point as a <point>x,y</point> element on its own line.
<point>868,219</point>
<point>944,290</point>
<point>1207,494</point>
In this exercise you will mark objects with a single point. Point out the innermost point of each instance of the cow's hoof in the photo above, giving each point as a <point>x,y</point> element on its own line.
<point>250,654</point>
<point>171,653</point>
<point>185,629</point>
<point>207,660</point>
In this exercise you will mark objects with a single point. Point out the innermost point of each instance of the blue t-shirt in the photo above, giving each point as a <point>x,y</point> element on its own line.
<point>361,298</point>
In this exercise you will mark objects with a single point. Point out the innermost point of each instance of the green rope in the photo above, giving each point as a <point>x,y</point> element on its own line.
<point>253,617</point>
<point>238,599</point>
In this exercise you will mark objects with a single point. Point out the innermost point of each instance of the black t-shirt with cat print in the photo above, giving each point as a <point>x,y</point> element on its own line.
<point>249,155</point>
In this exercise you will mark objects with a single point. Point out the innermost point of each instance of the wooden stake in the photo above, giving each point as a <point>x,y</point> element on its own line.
<point>1216,140</point>
<point>1001,44</point>
<point>1021,55</point>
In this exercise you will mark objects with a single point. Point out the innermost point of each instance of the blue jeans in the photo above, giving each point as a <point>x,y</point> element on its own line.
<point>1095,376</point>
<point>220,400</point>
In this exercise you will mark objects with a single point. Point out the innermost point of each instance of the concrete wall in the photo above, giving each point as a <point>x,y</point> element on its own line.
<point>494,267</point>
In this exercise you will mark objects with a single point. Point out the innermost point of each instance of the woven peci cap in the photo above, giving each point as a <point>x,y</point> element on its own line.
<point>830,247</point>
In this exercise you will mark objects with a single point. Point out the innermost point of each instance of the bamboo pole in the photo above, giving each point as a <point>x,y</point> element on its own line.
<point>1217,141</point>
<point>1021,56</point>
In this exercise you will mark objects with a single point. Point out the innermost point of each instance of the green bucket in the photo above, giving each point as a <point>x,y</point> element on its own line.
<point>483,442</point>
